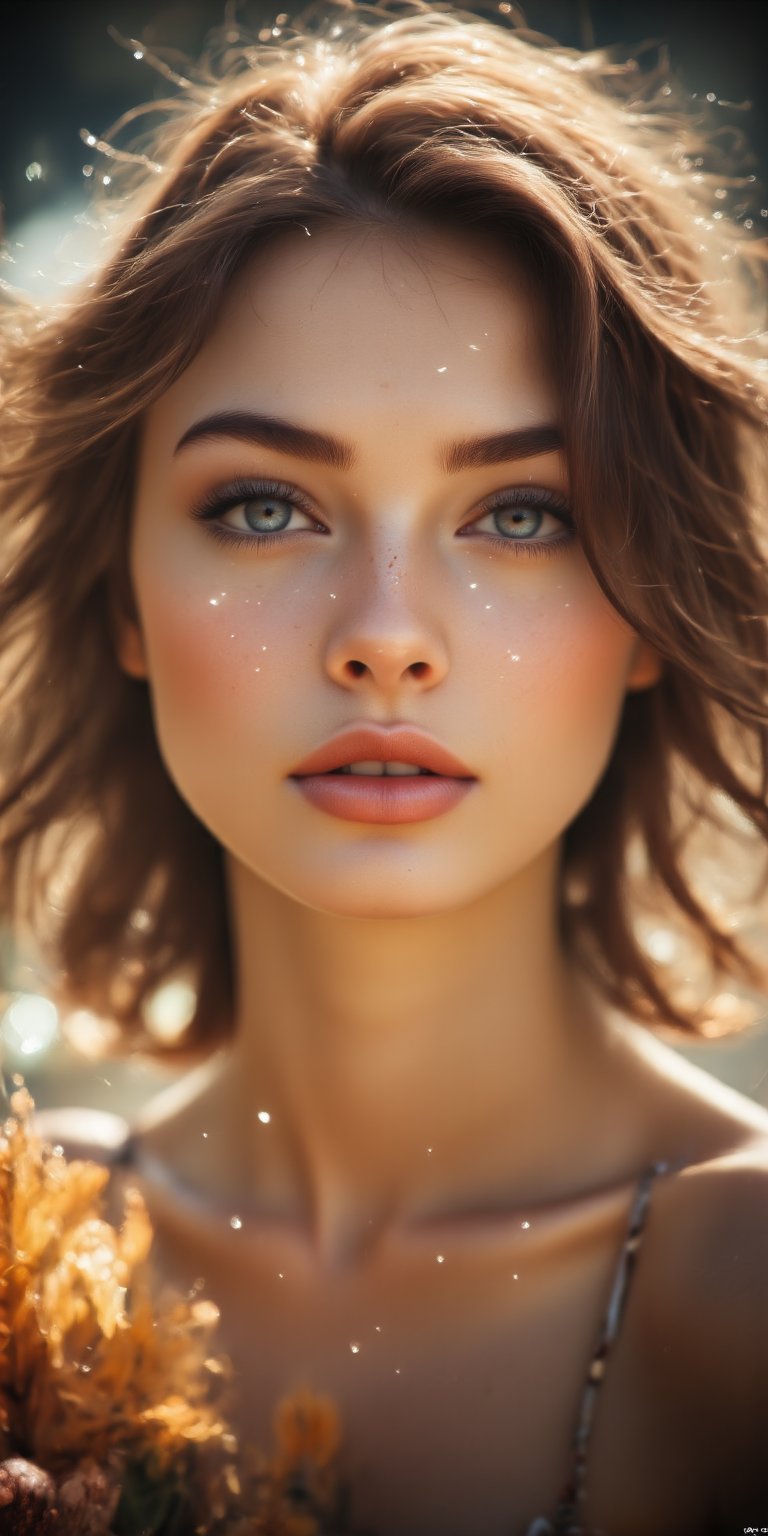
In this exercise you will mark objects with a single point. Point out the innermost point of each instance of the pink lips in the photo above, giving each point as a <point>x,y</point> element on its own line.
<point>387,799</point>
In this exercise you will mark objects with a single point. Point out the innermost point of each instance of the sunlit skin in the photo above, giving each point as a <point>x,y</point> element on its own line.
<point>405,1015</point>
<point>407,1181</point>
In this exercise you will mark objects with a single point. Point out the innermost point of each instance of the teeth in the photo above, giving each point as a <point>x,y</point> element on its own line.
<point>389,770</point>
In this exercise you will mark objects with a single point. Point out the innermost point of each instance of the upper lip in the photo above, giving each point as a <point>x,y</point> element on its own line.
<point>396,744</point>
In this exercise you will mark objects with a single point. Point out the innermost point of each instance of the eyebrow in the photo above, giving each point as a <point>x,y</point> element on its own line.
<point>322,448</point>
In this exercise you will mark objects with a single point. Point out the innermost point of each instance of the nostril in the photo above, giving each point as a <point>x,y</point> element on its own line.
<point>418,668</point>
<point>357,668</point>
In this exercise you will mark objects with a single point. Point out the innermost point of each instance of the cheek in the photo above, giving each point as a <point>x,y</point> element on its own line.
<point>220,658</point>
<point>564,660</point>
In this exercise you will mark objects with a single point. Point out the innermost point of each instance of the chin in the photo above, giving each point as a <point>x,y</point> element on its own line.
<point>423,890</point>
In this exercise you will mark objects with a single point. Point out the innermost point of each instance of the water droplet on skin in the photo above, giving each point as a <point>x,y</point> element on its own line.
<point>257,669</point>
<point>280,1275</point>
<point>235,1223</point>
<point>525,1225</point>
<point>513,656</point>
<point>378,1328</point>
<point>214,602</point>
<point>429,1151</point>
<point>441,1258</point>
<point>355,1348</point>
<point>137,53</point>
<point>472,586</point>
<point>263,647</point>
<point>720,193</point>
<point>711,96</point>
<point>264,1116</point>
<point>397,1370</point>
<point>205,1135</point>
<point>331,594</point>
<point>444,369</point>
<point>473,348</point>
<point>488,606</point>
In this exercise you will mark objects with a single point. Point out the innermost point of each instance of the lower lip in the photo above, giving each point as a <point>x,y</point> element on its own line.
<point>386,800</point>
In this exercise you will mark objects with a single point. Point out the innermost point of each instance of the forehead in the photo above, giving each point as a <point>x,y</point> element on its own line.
<point>343,320</point>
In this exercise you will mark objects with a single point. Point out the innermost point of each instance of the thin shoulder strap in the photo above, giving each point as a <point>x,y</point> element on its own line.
<point>568,1520</point>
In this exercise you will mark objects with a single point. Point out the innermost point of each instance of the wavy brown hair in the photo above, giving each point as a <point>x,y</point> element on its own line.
<point>591,174</point>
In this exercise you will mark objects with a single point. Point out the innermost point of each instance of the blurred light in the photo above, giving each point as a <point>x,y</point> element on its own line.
<point>58,248</point>
<point>661,945</point>
<point>34,171</point>
<point>170,1009</point>
<point>89,1034</point>
<point>29,1025</point>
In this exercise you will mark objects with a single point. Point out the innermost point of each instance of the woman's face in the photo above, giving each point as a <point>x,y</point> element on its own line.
<point>288,591</point>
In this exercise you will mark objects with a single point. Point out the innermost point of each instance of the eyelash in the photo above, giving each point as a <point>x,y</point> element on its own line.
<point>217,502</point>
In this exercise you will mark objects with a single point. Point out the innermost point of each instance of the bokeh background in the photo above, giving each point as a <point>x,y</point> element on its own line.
<point>68,70</point>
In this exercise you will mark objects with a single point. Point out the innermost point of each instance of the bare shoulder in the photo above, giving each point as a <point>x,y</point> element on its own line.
<point>711,1222</point>
<point>706,1314</point>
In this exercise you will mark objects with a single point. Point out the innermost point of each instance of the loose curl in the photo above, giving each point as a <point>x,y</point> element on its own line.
<point>588,173</point>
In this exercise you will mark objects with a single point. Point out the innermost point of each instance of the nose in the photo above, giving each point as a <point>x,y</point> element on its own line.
<point>384,640</point>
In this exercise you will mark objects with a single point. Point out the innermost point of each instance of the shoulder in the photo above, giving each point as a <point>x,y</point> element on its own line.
<point>706,1313</point>
<point>715,1214</point>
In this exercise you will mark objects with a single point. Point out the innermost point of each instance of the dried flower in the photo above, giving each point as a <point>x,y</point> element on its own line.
<point>112,1398</point>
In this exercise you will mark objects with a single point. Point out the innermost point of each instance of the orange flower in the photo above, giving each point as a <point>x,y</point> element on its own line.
<point>103,1381</point>
<point>88,1359</point>
<point>306,1429</point>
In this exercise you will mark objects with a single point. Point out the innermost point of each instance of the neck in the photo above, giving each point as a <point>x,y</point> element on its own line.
<point>403,1064</point>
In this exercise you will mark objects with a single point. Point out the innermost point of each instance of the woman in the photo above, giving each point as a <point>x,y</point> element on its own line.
<point>385,578</point>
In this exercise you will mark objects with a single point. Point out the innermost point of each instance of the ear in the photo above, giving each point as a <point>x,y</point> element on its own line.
<point>646,667</point>
<point>129,646</point>
<point>127,638</point>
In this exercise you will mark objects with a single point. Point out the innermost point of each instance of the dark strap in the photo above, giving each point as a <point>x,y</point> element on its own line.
<point>568,1519</point>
